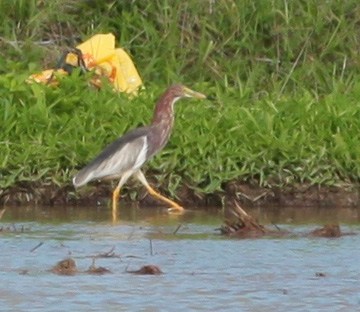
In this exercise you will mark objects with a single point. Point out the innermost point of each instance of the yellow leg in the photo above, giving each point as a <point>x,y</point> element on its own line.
<point>174,206</point>
<point>115,202</point>
<point>116,193</point>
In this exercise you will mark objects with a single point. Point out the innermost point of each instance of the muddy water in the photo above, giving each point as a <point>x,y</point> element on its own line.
<point>202,271</point>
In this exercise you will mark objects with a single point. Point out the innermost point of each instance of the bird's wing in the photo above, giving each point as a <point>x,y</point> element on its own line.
<point>127,152</point>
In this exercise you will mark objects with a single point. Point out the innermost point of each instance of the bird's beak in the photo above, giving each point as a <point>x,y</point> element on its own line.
<point>191,93</point>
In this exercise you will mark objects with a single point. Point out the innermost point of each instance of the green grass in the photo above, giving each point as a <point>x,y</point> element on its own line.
<point>286,75</point>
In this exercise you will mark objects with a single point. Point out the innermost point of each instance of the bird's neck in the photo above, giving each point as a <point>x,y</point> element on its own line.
<point>164,111</point>
<point>162,122</point>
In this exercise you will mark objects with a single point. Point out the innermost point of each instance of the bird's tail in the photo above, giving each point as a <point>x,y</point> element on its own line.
<point>82,177</point>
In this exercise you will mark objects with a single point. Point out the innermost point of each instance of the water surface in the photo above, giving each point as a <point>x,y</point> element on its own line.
<point>203,271</point>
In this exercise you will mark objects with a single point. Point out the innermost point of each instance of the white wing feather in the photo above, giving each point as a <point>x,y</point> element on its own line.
<point>132,155</point>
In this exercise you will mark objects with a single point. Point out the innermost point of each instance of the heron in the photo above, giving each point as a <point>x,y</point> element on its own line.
<point>125,157</point>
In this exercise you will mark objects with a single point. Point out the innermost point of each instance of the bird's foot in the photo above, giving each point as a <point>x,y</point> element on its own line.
<point>176,210</point>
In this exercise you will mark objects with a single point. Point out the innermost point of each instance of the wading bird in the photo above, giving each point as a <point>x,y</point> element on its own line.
<point>124,157</point>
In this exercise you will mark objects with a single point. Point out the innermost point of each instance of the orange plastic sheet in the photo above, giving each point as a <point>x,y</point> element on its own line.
<point>100,55</point>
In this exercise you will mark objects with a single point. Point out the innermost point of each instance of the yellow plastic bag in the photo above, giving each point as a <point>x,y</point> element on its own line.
<point>98,54</point>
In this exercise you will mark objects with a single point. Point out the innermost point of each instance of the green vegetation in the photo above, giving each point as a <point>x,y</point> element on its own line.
<point>286,74</point>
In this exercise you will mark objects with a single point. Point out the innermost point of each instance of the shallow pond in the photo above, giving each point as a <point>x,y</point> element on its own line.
<point>203,271</point>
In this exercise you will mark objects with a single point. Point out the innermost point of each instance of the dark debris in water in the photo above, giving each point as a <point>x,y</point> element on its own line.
<point>147,270</point>
<point>36,247</point>
<point>68,267</point>
<point>65,267</point>
<point>14,228</point>
<point>327,231</point>
<point>245,226</point>
<point>107,254</point>
<point>97,270</point>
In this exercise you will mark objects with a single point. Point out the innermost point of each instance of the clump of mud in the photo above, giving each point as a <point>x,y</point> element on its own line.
<point>147,270</point>
<point>65,267</point>
<point>327,231</point>
<point>68,267</point>
<point>98,270</point>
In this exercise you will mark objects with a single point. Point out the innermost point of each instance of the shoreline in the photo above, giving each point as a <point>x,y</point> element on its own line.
<point>246,194</point>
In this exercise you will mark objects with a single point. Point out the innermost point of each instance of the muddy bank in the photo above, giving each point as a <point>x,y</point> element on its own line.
<point>248,195</point>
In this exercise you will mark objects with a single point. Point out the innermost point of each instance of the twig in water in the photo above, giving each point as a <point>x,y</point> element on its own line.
<point>177,229</point>
<point>108,254</point>
<point>126,269</point>
<point>276,226</point>
<point>36,247</point>
<point>151,248</point>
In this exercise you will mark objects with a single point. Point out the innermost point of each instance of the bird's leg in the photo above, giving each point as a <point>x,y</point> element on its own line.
<point>116,193</point>
<point>115,201</point>
<point>174,206</point>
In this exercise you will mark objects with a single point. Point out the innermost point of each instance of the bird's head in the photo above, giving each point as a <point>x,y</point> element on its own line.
<point>164,109</point>
<point>180,91</point>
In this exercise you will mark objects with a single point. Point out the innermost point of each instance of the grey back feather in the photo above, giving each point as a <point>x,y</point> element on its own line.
<point>118,157</point>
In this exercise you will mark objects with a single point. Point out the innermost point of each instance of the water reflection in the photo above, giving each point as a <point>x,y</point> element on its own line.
<point>159,215</point>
